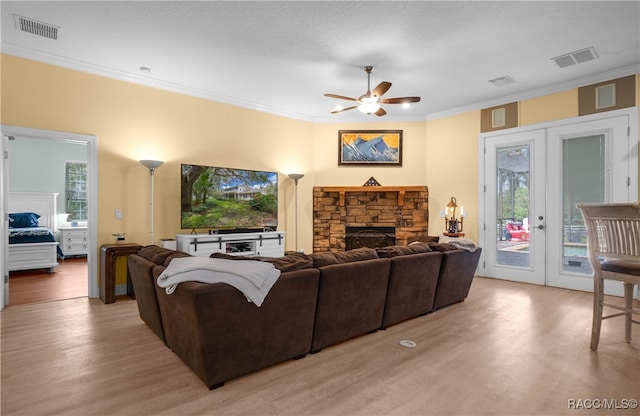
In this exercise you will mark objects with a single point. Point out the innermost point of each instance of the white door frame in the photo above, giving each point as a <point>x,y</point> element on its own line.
<point>631,113</point>
<point>92,191</point>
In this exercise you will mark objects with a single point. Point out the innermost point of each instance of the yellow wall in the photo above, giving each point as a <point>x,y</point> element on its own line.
<point>134,122</point>
<point>327,172</point>
<point>452,169</point>
<point>549,108</point>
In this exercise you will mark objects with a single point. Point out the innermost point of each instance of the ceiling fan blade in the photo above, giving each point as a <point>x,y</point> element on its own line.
<point>381,89</point>
<point>400,100</point>
<point>380,112</point>
<point>340,97</point>
<point>344,109</point>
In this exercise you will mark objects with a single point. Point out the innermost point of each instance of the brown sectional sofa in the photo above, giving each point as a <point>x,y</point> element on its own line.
<point>319,300</point>
<point>409,293</point>
<point>351,300</point>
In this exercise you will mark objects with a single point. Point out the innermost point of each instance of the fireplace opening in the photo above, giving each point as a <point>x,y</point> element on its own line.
<point>371,237</point>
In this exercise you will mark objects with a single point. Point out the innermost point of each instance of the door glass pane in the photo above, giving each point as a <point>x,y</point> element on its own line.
<point>512,205</point>
<point>583,180</point>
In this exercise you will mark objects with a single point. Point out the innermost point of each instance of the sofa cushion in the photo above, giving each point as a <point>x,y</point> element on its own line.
<point>420,245</point>
<point>401,250</point>
<point>442,247</point>
<point>426,239</point>
<point>326,258</point>
<point>290,261</point>
<point>160,255</point>
<point>174,255</point>
<point>323,258</point>
<point>357,254</point>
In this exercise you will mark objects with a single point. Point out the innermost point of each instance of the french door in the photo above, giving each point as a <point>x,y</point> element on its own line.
<point>532,180</point>
<point>515,235</point>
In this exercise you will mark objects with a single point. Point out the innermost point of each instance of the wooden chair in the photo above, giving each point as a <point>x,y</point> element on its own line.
<point>613,240</point>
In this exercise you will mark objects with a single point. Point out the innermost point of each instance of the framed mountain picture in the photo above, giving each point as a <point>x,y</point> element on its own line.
<point>370,147</point>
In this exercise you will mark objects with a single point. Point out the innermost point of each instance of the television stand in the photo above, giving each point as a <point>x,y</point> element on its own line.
<point>267,244</point>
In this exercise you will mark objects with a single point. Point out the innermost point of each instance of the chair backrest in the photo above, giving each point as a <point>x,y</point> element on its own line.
<point>613,230</point>
<point>512,226</point>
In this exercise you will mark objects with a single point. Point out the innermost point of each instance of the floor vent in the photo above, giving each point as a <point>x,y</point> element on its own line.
<point>35,27</point>
<point>576,57</point>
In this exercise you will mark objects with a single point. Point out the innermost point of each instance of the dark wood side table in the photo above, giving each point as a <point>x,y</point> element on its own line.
<point>108,255</point>
<point>454,234</point>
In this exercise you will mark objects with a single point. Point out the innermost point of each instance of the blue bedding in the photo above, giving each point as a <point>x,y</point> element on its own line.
<point>33,235</point>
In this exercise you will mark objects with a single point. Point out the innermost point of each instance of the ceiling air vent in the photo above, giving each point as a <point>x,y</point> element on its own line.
<point>576,57</point>
<point>35,27</point>
<point>502,81</point>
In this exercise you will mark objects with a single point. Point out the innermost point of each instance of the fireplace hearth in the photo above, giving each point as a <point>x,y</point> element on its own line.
<point>371,237</point>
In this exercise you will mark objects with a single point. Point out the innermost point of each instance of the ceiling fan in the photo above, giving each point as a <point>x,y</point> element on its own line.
<point>369,102</point>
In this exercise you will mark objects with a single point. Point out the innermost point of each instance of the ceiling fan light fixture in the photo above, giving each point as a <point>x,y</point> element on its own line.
<point>369,105</point>
<point>369,108</point>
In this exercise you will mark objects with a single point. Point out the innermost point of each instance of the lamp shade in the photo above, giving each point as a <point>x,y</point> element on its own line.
<point>296,176</point>
<point>63,219</point>
<point>151,164</point>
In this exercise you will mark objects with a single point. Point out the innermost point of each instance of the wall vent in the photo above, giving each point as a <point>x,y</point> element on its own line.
<point>576,57</point>
<point>35,27</point>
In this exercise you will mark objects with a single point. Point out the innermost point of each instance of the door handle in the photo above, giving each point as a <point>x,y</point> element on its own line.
<point>540,227</point>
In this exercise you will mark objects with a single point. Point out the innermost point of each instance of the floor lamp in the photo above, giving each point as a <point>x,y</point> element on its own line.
<point>152,165</point>
<point>295,177</point>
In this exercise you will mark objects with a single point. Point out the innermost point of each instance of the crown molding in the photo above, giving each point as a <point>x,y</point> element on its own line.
<point>11,49</point>
<point>539,92</point>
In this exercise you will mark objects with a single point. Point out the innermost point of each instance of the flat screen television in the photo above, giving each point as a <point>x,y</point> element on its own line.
<point>228,199</point>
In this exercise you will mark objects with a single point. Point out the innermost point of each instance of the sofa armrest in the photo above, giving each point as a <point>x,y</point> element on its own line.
<point>456,274</point>
<point>144,286</point>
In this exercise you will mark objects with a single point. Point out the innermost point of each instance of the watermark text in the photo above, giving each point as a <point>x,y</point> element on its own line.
<point>606,404</point>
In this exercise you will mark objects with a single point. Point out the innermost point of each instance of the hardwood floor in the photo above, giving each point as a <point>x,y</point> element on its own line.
<point>509,349</point>
<point>69,280</point>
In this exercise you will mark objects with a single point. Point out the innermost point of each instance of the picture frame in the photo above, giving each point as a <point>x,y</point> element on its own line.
<point>370,147</point>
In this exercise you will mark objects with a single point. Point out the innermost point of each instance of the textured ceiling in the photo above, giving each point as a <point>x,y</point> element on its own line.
<point>281,57</point>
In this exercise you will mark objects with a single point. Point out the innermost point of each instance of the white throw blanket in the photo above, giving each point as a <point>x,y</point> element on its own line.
<point>253,278</point>
<point>461,243</point>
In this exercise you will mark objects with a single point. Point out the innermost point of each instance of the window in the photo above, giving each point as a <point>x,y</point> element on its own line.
<point>76,190</point>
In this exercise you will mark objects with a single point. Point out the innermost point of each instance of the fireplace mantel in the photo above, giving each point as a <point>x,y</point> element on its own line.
<point>399,189</point>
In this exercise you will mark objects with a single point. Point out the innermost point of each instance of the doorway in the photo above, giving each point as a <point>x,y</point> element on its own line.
<point>531,180</point>
<point>90,142</point>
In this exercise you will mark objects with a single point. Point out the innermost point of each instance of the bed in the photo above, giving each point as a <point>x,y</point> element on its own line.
<point>32,243</point>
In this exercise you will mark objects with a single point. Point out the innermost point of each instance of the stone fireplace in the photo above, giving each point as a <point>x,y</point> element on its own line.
<point>403,209</point>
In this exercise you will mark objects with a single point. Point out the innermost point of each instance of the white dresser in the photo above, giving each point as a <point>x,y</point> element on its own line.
<point>74,241</point>
<point>267,244</point>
